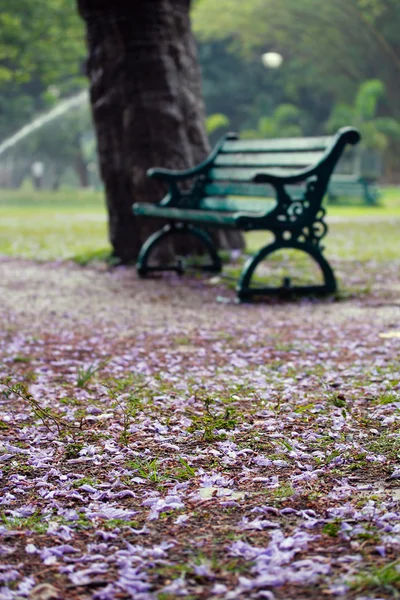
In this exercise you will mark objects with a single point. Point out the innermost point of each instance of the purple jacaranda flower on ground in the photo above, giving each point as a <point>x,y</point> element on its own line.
<point>381,550</point>
<point>124,494</point>
<point>84,576</point>
<point>244,550</point>
<point>50,555</point>
<point>203,571</point>
<point>24,511</point>
<point>5,457</point>
<point>66,569</point>
<point>141,531</point>
<point>390,516</point>
<point>181,519</point>
<point>26,585</point>
<point>97,547</point>
<point>133,581</point>
<point>275,578</point>
<point>111,512</point>
<point>9,575</point>
<point>219,588</point>
<point>69,514</point>
<point>163,504</point>
<point>88,488</point>
<point>105,535</point>
<point>307,571</point>
<point>7,498</point>
<point>176,588</point>
<point>108,593</point>
<point>265,595</point>
<point>338,589</point>
<point>262,461</point>
<point>215,479</point>
<point>6,550</point>
<point>257,524</point>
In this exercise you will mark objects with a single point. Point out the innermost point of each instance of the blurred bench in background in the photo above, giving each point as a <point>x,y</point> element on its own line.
<point>356,176</point>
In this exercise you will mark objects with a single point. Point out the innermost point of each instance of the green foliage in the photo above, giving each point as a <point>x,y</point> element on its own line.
<point>72,450</point>
<point>216,122</point>
<point>329,47</point>
<point>34,523</point>
<point>242,91</point>
<point>50,419</point>
<point>212,419</point>
<point>41,56</point>
<point>332,529</point>
<point>285,121</point>
<point>384,578</point>
<point>376,132</point>
<point>41,39</point>
<point>85,374</point>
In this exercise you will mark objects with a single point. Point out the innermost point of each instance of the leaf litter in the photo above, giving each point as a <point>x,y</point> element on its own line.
<point>155,444</point>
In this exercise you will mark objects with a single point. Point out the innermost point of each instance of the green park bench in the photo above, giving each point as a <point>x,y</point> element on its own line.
<point>354,188</point>
<point>356,176</point>
<point>275,185</point>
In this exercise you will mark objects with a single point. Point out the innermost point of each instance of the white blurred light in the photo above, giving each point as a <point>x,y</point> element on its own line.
<point>272,60</point>
<point>37,169</point>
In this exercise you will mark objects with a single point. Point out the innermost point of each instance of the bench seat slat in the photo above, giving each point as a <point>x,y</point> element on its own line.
<point>246,174</point>
<point>258,190</point>
<point>218,217</point>
<point>276,145</point>
<point>253,190</point>
<point>279,159</point>
<point>222,219</point>
<point>238,204</point>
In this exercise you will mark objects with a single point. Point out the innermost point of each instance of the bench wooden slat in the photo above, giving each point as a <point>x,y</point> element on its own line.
<point>238,204</point>
<point>279,159</point>
<point>246,174</point>
<point>222,219</point>
<point>259,190</point>
<point>276,145</point>
<point>347,190</point>
<point>253,190</point>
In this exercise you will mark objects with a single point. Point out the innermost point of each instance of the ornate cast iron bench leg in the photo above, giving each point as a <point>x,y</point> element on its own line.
<point>246,292</point>
<point>172,229</point>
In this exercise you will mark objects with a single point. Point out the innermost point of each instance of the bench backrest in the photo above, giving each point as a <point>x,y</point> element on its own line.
<point>238,161</point>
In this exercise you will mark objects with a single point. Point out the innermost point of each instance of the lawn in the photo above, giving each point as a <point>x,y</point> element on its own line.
<point>52,226</point>
<point>73,224</point>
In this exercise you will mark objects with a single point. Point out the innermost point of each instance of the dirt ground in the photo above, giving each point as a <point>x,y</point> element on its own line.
<point>64,295</point>
<point>259,460</point>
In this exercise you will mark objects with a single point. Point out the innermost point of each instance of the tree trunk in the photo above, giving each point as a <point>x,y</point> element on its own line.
<point>19,170</point>
<point>147,107</point>
<point>80,166</point>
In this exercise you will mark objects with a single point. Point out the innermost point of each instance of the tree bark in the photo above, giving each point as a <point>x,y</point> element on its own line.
<point>80,166</point>
<point>147,107</point>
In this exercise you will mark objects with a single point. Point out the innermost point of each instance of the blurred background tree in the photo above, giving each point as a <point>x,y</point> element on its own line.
<point>335,52</point>
<point>377,132</point>
<point>341,66</point>
<point>42,56</point>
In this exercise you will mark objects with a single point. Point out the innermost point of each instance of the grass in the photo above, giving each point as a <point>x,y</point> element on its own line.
<point>53,225</point>
<point>357,232</point>
<point>73,225</point>
<point>379,579</point>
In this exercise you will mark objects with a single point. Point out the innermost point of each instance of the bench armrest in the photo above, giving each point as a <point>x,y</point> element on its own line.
<point>346,135</point>
<point>169,175</point>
